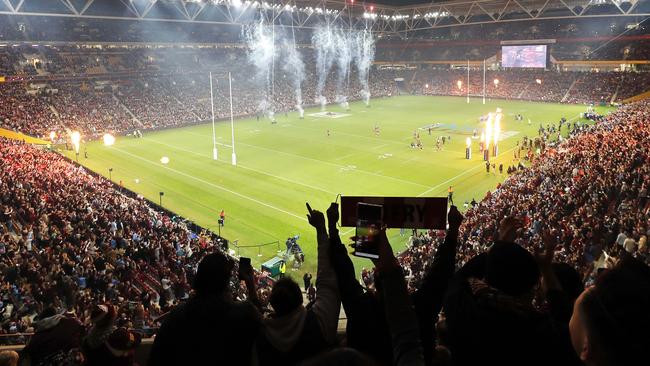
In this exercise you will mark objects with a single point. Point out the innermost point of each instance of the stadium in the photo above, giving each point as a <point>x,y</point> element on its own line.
<point>324,182</point>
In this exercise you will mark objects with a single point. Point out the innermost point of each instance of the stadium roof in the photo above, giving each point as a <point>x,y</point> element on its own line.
<point>383,15</point>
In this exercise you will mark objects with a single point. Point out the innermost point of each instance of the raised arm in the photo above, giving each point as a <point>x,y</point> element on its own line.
<point>350,289</point>
<point>401,318</point>
<point>429,297</point>
<point>559,305</point>
<point>328,303</point>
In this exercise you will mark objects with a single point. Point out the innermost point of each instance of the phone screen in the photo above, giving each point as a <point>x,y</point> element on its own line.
<point>369,222</point>
<point>244,264</point>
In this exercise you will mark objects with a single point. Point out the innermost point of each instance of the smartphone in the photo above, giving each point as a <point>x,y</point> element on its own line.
<point>244,266</point>
<point>369,223</point>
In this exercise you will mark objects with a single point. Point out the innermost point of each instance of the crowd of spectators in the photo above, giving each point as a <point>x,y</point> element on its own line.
<point>26,112</point>
<point>546,86</point>
<point>128,98</point>
<point>139,87</point>
<point>597,87</point>
<point>70,240</point>
<point>89,269</point>
<point>93,111</point>
<point>591,190</point>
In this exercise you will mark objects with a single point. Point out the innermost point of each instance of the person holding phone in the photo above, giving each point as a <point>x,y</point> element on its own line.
<point>367,328</point>
<point>369,224</point>
<point>306,278</point>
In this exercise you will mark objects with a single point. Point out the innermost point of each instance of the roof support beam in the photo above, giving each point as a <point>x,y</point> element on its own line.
<point>399,20</point>
<point>183,9</point>
<point>523,8</point>
<point>129,5</point>
<point>570,8</point>
<point>586,7</point>
<point>8,4</point>
<point>88,4</point>
<point>199,10</point>
<point>69,5</point>
<point>634,4</point>
<point>148,8</point>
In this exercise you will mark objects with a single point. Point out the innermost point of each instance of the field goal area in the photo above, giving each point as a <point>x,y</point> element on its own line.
<point>327,114</point>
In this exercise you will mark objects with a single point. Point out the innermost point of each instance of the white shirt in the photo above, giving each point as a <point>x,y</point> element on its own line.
<point>629,244</point>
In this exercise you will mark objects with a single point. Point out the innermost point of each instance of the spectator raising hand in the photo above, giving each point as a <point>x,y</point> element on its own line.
<point>315,218</point>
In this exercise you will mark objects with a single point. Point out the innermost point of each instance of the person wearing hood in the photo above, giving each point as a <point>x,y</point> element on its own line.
<point>489,310</point>
<point>118,349</point>
<point>56,335</point>
<point>210,327</point>
<point>103,324</point>
<point>293,333</point>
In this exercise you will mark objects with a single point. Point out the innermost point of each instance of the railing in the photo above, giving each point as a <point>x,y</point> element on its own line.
<point>235,244</point>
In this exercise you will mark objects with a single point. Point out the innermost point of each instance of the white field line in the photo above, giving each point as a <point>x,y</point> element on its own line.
<point>458,176</point>
<point>379,147</point>
<point>472,169</point>
<point>215,186</point>
<point>202,135</point>
<point>373,138</point>
<point>209,226</point>
<point>347,231</point>
<point>244,167</point>
<point>331,164</point>
<point>343,157</point>
<point>410,159</point>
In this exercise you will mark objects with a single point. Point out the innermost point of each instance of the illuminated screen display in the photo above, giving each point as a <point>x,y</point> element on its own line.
<point>523,56</point>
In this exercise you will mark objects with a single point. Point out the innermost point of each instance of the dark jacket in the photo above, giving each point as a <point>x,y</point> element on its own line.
<point>367,329</point>
<point>58,333</point>
<point>102,356</point>
<point>303,333</point>
<point>304,345</point>
<point>207,330</point>
<point>488,327</point>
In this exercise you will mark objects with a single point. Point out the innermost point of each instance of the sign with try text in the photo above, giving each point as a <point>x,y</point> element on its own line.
<point>400,212</point>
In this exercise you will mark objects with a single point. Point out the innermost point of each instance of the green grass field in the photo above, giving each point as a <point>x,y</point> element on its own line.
<point>282,166</point>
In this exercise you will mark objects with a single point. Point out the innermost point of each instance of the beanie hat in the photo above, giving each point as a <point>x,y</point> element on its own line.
<point>124,340</point>
<point>511,268</point>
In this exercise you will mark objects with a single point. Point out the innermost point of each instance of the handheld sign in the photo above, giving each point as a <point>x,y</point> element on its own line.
<point>400,212</point>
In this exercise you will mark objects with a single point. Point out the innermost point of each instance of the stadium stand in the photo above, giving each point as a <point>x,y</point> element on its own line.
<point>551,267</point>
<point>186,97</point>
<point>72,240</point>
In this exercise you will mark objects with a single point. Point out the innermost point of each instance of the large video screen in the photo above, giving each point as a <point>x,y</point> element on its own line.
<point>523,56</point>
